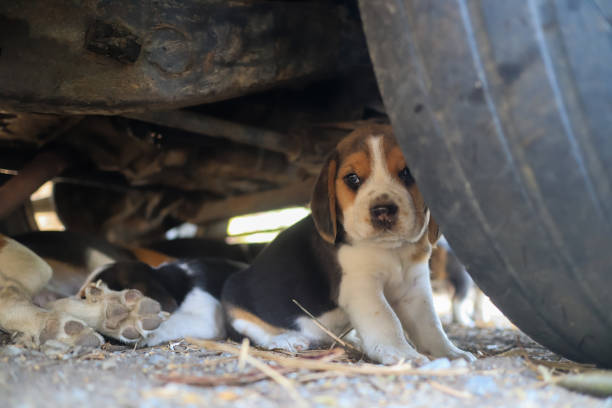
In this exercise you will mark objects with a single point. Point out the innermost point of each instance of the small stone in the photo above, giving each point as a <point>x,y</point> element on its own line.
<point>54,348</point>
<point>156,359</point>
<point>109,364</point>
<point>459,363</point>
<point>12,351</point>
<point>438,364</point>
<point>481,385</point>
<point>227,396</point>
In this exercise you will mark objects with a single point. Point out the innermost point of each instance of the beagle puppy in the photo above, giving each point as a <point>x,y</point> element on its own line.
<point>360,260</point>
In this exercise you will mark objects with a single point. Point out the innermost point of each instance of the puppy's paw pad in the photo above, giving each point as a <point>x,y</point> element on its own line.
<point>128,315</point>
<point>94,292</point>
<point>130,334</point>
<point>151,323</point>
<point>68,331</point>
<point>73,327</point>
<point>115,313</point>
<point>89,339</point>
<point>132,296</point>
<point>149,306</point>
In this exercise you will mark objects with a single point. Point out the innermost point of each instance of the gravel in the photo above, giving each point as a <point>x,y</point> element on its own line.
<point>505,375</point>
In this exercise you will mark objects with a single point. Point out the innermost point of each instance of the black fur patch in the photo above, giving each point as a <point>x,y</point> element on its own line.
<point>458,276</point>
<point>299,265</point>
<point>170,283</point>
<point>70,247</point>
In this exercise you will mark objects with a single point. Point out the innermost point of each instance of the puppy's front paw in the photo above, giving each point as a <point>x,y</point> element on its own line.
<point>454,353</point>
<point>466,355</point>
<point>388,354</point>
<point>68,331</point>
<point>292,342</point>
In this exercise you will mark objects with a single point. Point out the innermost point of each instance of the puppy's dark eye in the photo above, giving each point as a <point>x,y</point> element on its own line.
<point>352,180</point>
<point>406,177</point>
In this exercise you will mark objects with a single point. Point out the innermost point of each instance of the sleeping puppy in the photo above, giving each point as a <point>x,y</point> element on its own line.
<point>360,260</point>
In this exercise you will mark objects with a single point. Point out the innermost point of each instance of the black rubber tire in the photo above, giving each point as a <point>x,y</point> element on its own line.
<point>504,112</point>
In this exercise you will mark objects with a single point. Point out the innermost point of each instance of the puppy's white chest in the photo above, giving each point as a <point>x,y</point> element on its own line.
<point>409,280</point>
<point>391,270</point>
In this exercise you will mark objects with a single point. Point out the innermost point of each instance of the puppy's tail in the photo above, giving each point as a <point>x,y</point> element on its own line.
<point>188,289</point>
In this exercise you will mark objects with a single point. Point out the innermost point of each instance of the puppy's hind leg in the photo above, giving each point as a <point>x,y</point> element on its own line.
<point>22,275</point>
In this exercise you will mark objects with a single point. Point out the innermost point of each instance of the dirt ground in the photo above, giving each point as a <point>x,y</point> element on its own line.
<point>505,375</point>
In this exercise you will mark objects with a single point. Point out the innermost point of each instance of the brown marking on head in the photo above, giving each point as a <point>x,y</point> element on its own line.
<point>395,163</point>
<point>350,151</point>
<point>236,313</point>
<point>357,163</point>
<point>332,196</point>
<point>419,204</point>
<point>395,160</point>
<point>3,241</point>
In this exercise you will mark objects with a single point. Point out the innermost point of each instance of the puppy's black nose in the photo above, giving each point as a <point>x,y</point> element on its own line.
<point>384,215</point>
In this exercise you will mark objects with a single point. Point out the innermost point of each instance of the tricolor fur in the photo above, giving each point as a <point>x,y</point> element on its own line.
<point>360,261</point>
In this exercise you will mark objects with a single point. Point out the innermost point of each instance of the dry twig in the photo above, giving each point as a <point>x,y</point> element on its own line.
<point>325,329</point>
<point>206,363</point>
<point>215,380</point>
<point>278,378</point>
<point>323,365</point>
<point>244,350</point>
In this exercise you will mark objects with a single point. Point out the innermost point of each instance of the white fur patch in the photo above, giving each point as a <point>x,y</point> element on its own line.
<point>200,315</point>
<point>385,293</point>
<point>185,267</point>
<point>309,333</point>
<point>256,333</point>
<point>335,320</point>
<point>289,340</point>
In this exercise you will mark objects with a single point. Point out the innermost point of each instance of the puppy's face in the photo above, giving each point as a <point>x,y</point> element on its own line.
<point>367,187</point>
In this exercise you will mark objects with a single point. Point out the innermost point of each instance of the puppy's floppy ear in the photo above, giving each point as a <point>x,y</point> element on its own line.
<point>433,231</point>
<point>323,202</point>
